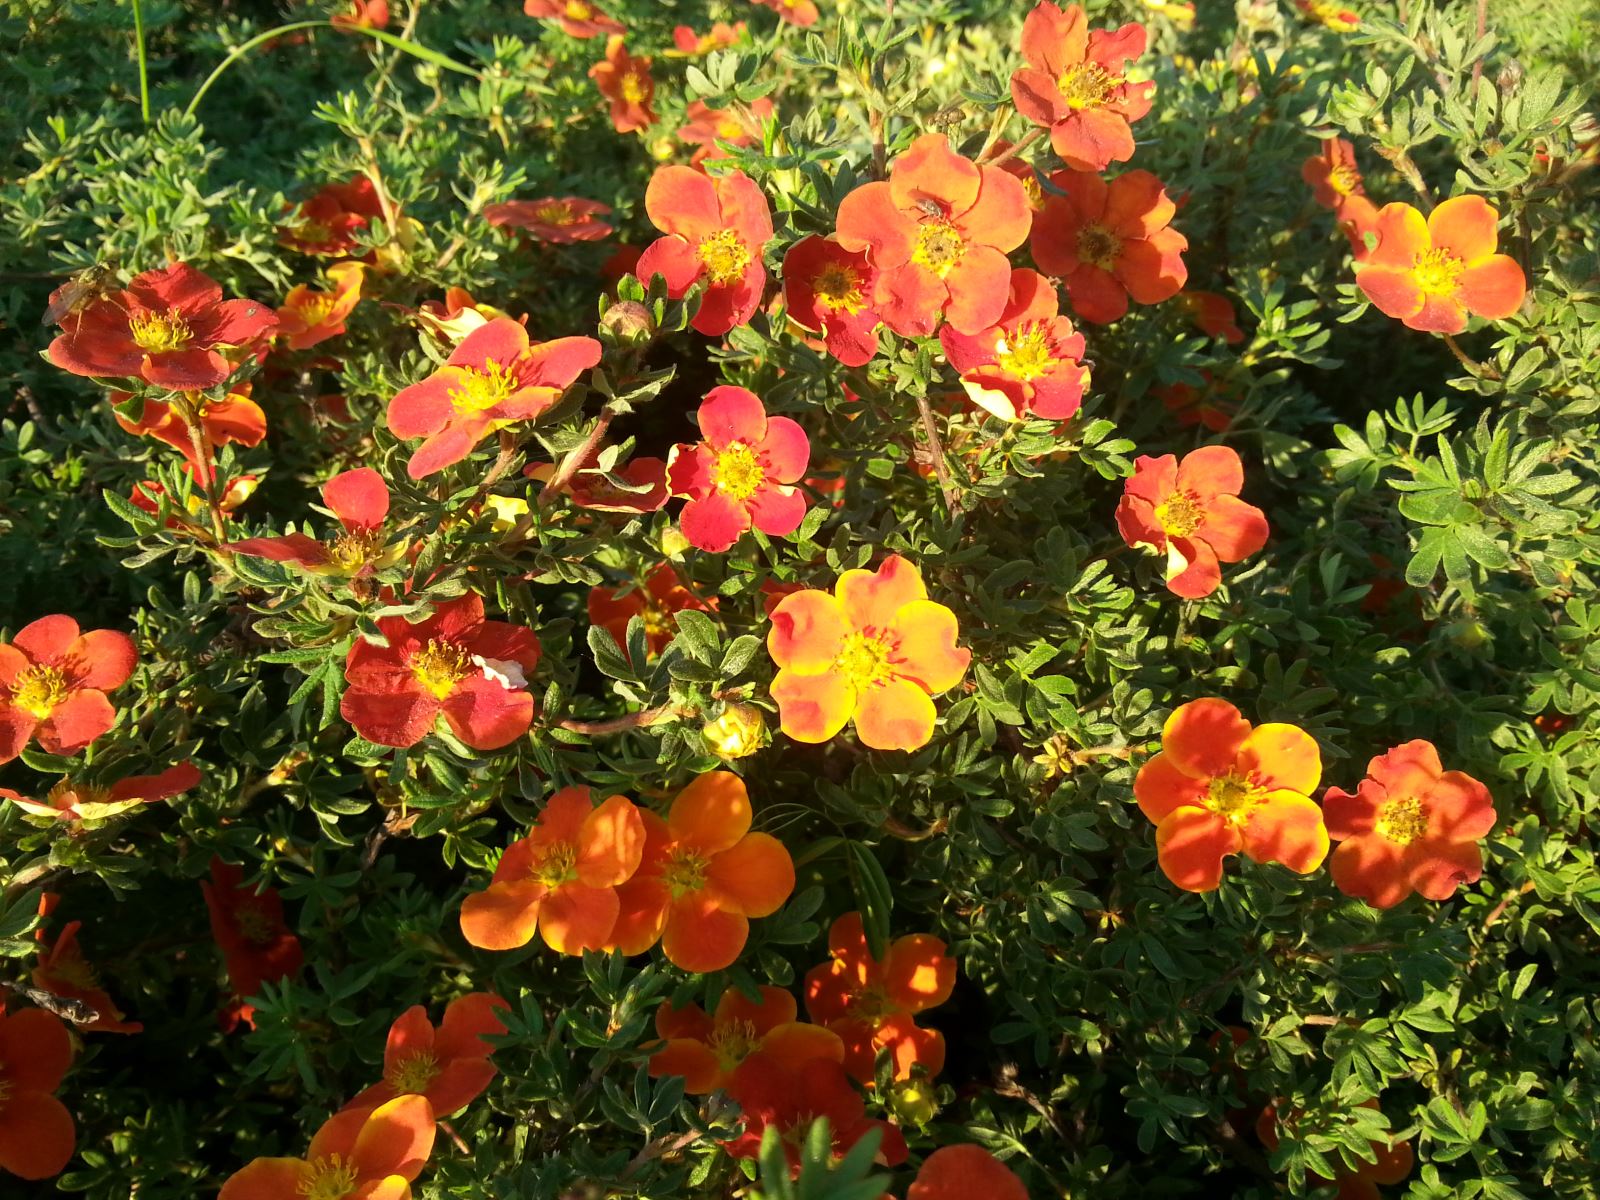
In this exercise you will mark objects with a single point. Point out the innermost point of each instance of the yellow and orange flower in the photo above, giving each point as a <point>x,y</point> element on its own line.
<point>715,230</point>
<point>577,18</point>
<point>309,317</point>
<point>876,650</point>
<point>1333,174</point>
<point>356,1155</point>
<point>706,1050</point>
<point>1334,16</point>
<point>795,12</point>
<point>662,594</point>
<point>626,82</point>
<point>1189,511</point>
<point>448,1066</point>
<point>1221,786</point>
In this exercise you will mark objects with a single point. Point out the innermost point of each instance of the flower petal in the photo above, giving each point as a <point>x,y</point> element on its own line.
<point>812,708</point>
<point>574,918</point>
<point>808,631</point>
<point>753,877</point>
<point>896,715</point>
<point>701,937</point>
<point>712,814</point>
<point>1282,757</point>
<point>1465,225</point>
<point>1202,738</point>
<point>923,633</point>
<point>1287,828</point>
<point>1191,844</point>
<point>503,916</point>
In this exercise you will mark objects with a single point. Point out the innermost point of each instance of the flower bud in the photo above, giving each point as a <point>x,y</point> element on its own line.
<point>913,1102</point>
<point>673,543</point>
<point>738,732</point>
<point>629,321</point>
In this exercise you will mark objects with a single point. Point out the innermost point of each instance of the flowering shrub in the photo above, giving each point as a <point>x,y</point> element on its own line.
<point>945,599</point>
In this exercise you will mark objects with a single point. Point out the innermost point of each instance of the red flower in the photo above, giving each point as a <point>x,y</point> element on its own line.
<point>1357,217</point>
<point>234,418</point>
<point>53,685</point>
<point>1333,174</point>
<point>355,1156</point>
<point>965,1172</point>
<point>360,499</point>
<point>37,1134</point>
<point>309,317</point>
<point>716,230</point>
<point>257,944</point>
<point>578,18</point>
<point>168,328</point>
<point>938,231</point>
<point>742,473</point>
<point>1410,826</point>
<point>1212,314</point>
<point>1110,241</point>
<point>493,379</point>
<point>662,595</point>
<point>62,970</point>
<point>706,1050</point>
<point>1193,406</point>
<point>1029,363</point>
<point>625,81</point>
<point>829,288</point>
<point>705,127</point>
<point>1191,512</point>
<point>873,1004</point>
<point>796,12</point>
<point>1076,84</point>
<point>147,495</point>
<point>560,220</point>
<point>693,45</point>
<point>326,222</point>
<point>449,1066</point>
<point>453,664</point>
<point>363,14</point>
<point>789,1097</point>
<point>1391,1161</point>
<point>74,800</point>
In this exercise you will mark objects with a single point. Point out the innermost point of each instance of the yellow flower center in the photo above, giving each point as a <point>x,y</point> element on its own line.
<point>733,1042</point>
<point>1344,179</point>
<point>1437,271</point>
<point>1180,514</point>
<point>74,972</point>
<point>635,87</point>
<point>412,1074</point>
<point>558,212</point>
<point>1034,192</point>
<point>1028,356</point>
<point>577,10</point>
<point>1331,15</point>
<point>350,552</point>
<point>864,660</point>
<point>729,129</point>
<point>870,1004</point>
<point>68,794</point>
<point>331,1178</point>
<point>684,871</point>
<point>724,256</point>
<point>483,389</point>
<point>439,666</point>
<point>5,1088</point>
<point>838,287</point>
<point>314,309</point>
<point>1087,85</point>
<point>312,232</point>
<point>160,333</point>
<point>1233,797</point>
<point>738,472</point>
<point>558,866</point>
<point>939,246</point>
<point>1402,821</point>
<point>38,690</point>
<point>1099,247</point>
<point>256,927</point>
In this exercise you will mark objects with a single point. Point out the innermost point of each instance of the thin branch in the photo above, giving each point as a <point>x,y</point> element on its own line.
<point>575,459</point>
<point>1479,369</point>
<point>638,720</point>
<point>936,450</point>
<point>1012,151</point>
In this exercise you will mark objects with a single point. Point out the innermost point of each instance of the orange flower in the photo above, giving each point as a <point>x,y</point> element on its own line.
<point>625,81</point>
<point>1357,217</point>
<point>692,45</point>
<point>1076,85</point>
<point>1212,314</point>
<point>561,880</point>
<point>1410,826</point>
<point>829,288</point>
<point>965,1172</point>
<point>877,650</point>
<point>707,1050</point>
<point>715,232</point>
<point>309,317</point>
<point>872,1005</point>
<point>363,14</point>
<point>1333,174</point>
<point>559,220</point>
<point>705,127</point>
<point>458,314</point>
<point>356,1155</point>
<point>704,874</point>
<point>578,18</point>
<point>938,232</point>
<point>775,1095</point>
<point>1432,271</point>
<point>1190,511</point>
<point>1030,363</point>
<point>1324,12</point>
<point>37,1134</point>
<point>63,970</point>
<point>75,800</point>
<point>53,685</point>
<point>1391,1161</point>
<point>1197,406</point>
<point>234,418</point>
<point>1220,786</point>
<point>1110,241</point>
<point>796,12</point>
<point>662,595</point>
<point>449,1067</point>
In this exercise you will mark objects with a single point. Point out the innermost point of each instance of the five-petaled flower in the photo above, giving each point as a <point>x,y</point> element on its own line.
<point>37,1134</point>
<point>169,328</point>
<point>1110,241</point>
<point>257,944</point>
<point>741,474</point>
<point>579,18</point>
<point>74,799</point>
<point>1333,174</point>
<point>1220,786</point>
<point>803,13</point>
<point>703,874</point>
<point>63,970</point>
<point>873,1005</point>
<point>326,222</point>
<point>448,1066</point>
<point>1432,271</point>
<point>360,499</point>
<point>626,83</point>
<point>705,126</point>
<point>662,594</point>
<point>371,1154</point>
<point>938,232</point>
<point>309,317</point>
<point>494,378</point>
<point>559,220</point>
<point>1190,512</point>
<point>561,880</point>
<point>715,232</point>
<point>1411,826</point>
<point>53,685</point>
<point>692,45</point>
<point>233,418</point>
<point>453,664</point>
<point>788,1097</point>
<point>1335,16</point>
<point>876,649</point>
<point>1029,363</point>
<point>829,289</point>
<point>1212,313</point>
<point>706,1050</point>
<point>1390,1163</point>
<point>1076,84</point>
<point>965,1172</point>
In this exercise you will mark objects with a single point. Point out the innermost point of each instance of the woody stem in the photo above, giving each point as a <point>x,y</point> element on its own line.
<point>370,170</point>
<point>1022,144</point>
<point>638,720</point>
<point>936,451</point>
<point>207,471</point>
<point>577,457</point>
<point>1467,361</point>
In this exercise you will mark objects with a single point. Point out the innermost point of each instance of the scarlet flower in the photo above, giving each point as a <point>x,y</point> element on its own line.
<point>662,594</point>
<point>789,1097</point>
<point>256,942</point>
<point>234,418</point>
<point>1190,405</point>
<point>363,14</point>
<point>360,499</point>
<point>53,685</point>
<point>591,489</point>
<point>147,495</point>
<point>309,317</point>
<point>796,12</point>
<point>37,1134</point>
<point>1029,363</point>
<point>169,328</point>
<point>453,664</point>
<point>1190,511</point>
<point>356,1155</point>
<point>1432,271</point>
<point>75,800</point>
<point>457,315</point>
<point>965,1172</point>
<point>715,232</point>
<point>326,223</point>
<point>693,45</point>
<point>1212,314</point>
<point>1335,17</point>
<point>1411,826</point>
<point>872,1005</point>
<point>1333,174</point>
<point>62,970</point>
<point>493,379</point>
<point>829,289</point>
<point>578,18</point>
<point>702,876</point>
<point>1391,1161</point>
<point>877,650</point>
<point>449,1067</point>
<point>938,232</point>
<point>1220,786</point>
<point>705,127</point>
<point>706,1050</point>
<point>560,220</point>
<point>1357,217</point>
<point>1110,241</point>
<point>561,880</point>
<point>626,82</point>
<point>1076,84</point>
<point>742,473</point>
